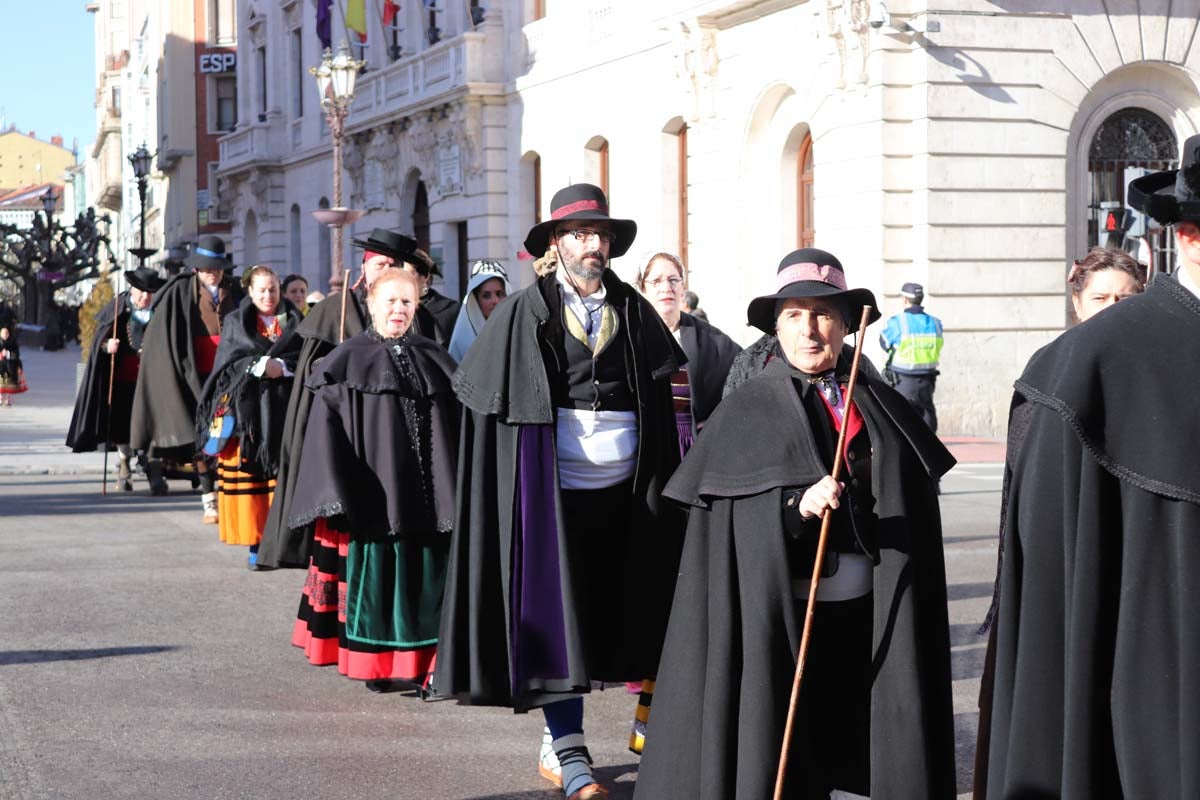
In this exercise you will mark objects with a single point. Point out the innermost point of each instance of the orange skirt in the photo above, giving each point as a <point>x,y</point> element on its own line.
<point>243,499</point>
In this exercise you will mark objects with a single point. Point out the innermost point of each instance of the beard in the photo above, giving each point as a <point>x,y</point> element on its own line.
<point>583,271</point>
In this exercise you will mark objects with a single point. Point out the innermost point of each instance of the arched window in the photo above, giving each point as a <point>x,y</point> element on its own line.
<point>805,226</point>
<point>675,187</point>
<point>1129,139</point>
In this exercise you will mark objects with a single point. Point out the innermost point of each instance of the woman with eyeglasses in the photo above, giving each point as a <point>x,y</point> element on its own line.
<point>710,353</point>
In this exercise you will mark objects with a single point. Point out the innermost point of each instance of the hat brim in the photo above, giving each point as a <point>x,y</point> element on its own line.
<point>131,277</point>
<point>624,232</point>
<point>761,311</point>
<point>1155,196</point>
<point>385,250</point>
<point>197,261</point>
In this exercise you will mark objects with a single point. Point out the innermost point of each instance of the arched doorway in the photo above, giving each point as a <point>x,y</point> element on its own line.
<point>1129,140</point>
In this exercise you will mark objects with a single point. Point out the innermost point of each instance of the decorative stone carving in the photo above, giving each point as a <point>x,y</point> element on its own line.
<point>353,159</point>
<point>845,18</point>
<point>385,152</point>
<point>259,186</point>
<point>696,65</point>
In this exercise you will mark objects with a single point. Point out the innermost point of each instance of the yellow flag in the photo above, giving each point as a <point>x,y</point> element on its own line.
<point>356,18</point>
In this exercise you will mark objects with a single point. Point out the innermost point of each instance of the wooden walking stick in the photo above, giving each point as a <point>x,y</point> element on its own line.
<point>112,370</point>
<point>816,575</point>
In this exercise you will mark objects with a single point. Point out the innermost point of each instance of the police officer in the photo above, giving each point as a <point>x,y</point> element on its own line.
<point>913,341</point>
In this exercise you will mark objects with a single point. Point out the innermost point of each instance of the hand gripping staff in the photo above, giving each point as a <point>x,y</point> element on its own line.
<point>816,576</point>
<point>112,370</point>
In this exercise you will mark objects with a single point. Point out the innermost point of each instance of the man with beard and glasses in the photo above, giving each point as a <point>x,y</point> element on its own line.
<point>564,556</point>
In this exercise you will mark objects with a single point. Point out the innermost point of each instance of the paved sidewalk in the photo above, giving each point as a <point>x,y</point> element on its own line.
<point>33,430</point>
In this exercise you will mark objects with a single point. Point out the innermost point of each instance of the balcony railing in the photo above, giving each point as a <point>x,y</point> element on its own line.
<point>446,66</point>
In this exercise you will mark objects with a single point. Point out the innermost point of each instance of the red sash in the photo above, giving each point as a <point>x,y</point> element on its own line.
<point>127,367</point>
<point>206,352</point>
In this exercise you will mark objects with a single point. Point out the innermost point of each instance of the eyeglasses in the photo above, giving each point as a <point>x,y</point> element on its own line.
<point>674,282</point>
<point>584,234</point>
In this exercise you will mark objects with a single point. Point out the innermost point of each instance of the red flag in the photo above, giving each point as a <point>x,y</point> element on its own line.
<point>390,10</point>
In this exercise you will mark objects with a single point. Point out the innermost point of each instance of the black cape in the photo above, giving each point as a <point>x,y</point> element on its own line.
<point>163,420</point>
<point>1096,689</point>
<point>722,694</point>
<point>89,421</point>
<point>258,404</point>
<point>503,386</point>
<point>710,354</point>
<point>436,316</point>
<point>281,545</point>
<point>381,440</point>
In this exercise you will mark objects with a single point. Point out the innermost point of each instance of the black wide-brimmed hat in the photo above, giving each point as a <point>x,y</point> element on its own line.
<point>397,246</point>
<point>144,278</point>
<point>580,201</point>
<point>209,253</point>
<point>811,273</point>
<point>1174,194</point>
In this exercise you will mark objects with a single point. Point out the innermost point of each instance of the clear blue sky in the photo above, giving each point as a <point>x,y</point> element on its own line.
<point>48,83</point>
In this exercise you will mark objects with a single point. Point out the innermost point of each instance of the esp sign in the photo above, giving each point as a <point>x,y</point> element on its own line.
<point>217,62</point>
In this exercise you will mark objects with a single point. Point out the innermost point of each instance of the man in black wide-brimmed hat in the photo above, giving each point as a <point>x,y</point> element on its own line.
<point>564,555</point>
<point>875,717</point>
<point>94,417</point>
<point>1095,639</point>
<point>177,356</point>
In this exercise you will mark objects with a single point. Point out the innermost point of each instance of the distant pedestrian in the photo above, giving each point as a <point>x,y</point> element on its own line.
<point>239,419</point>
<point>12,373</point>
<point>178,353</point>
<point>94,419</point>
<point>913,341</point>
<point>691,305</point>
<point>487,286</point>
<point>295,289</point>
<point>376,480</point>
<point>1103,277</point>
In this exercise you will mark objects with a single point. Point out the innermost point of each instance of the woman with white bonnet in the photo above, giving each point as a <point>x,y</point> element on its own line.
<point>486,288</point>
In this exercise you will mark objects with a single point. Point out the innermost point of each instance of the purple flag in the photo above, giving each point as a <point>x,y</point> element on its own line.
<point>324,21</point>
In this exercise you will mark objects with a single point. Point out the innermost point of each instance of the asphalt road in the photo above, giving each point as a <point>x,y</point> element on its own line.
<point>139,658</point>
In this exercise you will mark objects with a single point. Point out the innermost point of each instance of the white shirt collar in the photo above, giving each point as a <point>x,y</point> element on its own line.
<point>586,309</point>
<point>1184,276</point>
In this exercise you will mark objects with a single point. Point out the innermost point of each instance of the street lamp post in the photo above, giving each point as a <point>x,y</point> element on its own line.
<point>335,83</point>
<point>140,160</point>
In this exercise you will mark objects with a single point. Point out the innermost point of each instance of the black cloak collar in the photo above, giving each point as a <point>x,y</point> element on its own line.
<point>1125,382</point>
<point>503,373</point>
<point>785,455</point>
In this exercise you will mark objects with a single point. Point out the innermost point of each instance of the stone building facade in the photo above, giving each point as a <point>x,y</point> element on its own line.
<point>968,147</point>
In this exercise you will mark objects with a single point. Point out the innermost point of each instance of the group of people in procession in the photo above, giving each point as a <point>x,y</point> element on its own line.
<point>542,492</point>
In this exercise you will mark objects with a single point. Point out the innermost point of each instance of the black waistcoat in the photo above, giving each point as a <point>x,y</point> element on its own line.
<point>853,528</point>
<point>577,378</point>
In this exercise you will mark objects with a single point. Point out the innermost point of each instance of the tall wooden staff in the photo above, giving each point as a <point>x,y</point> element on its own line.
<point>346,289</point>
<point>826,518</point>
<point>112,371</point>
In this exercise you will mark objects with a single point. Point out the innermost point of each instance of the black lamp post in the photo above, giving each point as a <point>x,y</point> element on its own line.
<point>140,159</point>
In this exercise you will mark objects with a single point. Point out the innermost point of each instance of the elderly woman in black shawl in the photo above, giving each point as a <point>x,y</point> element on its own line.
<point>240,416</point>
<point>376,476</point>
